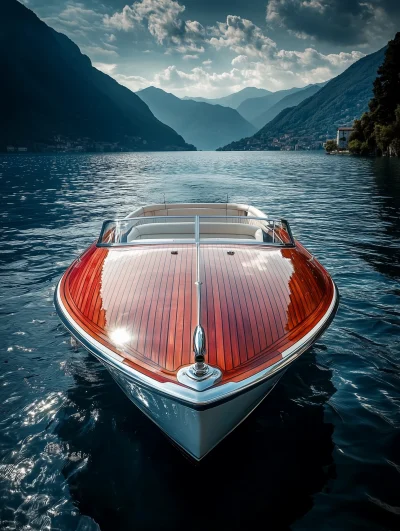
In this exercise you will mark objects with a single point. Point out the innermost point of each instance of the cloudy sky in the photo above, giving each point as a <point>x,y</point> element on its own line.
<point>214,47</point>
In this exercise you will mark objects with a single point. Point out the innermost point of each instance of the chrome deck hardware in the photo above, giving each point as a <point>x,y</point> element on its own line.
<point>200,368</point>
<point>200,376</point>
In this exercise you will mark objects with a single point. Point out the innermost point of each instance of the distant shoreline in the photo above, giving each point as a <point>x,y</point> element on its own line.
<point>25,153</point>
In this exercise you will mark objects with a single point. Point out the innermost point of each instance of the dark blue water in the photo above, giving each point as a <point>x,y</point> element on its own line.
<point>322,452</point>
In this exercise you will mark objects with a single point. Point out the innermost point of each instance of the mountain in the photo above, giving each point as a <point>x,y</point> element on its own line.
<point>52,95</point>
<point>316,118</point>
<point>288,101</point>
<point>253,107</point>
<point>206,126</point>
<point>235,99</point>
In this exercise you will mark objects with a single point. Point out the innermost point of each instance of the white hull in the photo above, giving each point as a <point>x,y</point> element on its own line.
<point>195,431</point>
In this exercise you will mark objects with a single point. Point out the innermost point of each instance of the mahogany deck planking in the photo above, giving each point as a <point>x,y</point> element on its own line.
<point>255,303</point>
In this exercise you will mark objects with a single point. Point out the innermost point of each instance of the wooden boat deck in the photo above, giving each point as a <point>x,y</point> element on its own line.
<point>141,303</point>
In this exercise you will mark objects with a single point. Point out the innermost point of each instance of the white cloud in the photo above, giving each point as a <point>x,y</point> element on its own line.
<point>239,60</point>
<point>241,36</point>
<point>84,26</point>
<point>196,79</point>
<point>76,18</point>
<point>286,69</point>
<point>98,50</point>
<point>110,37</point>
<point>107,68</point>
<point>310,58</point>
<point>257,62</point>
<point>125,20</point>
<point>134,83</point>
<point>343,60</point>
<point>109,46</point>
<point>162,18</point>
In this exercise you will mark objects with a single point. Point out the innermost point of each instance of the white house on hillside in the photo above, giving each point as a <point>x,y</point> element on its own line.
<point>342,137</point>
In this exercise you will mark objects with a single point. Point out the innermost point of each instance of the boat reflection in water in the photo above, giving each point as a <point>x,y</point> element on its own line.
<point>196,310</point>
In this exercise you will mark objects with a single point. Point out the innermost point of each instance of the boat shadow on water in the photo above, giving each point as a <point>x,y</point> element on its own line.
<point>123,472</point>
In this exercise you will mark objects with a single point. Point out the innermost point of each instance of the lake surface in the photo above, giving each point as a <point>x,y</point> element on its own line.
<point>321,452</point>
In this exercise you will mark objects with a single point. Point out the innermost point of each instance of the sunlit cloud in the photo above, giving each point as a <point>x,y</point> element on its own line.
<point>107,68</point>
<point>241,36</point>
<point>163,20</point>
<point>110,37</point>
<point>288,68</point>
<point>98,50</point>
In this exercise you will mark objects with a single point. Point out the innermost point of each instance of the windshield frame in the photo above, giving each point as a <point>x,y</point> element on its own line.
<point>196,239</point>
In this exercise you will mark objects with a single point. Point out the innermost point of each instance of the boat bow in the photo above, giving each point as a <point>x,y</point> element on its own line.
<point>139,307</point>
<point>196,320</point>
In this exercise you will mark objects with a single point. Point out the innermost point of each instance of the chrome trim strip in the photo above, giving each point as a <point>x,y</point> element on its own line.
<point>197,230</point>
<point>199,375</point>
<point>198,280</point>
<point>289,229</point>
<point>192,398</point>
<point>214,241</point>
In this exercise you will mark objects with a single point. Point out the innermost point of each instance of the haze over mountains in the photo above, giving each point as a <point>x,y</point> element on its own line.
<point>291,100</point>
<point>337,103</point>
<point>206,126</point>
<point>58,93</point>
<point>252,108</point>
<point>235,99</point>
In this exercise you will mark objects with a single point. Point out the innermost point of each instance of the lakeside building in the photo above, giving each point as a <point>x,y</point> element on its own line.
<point>342,137</point>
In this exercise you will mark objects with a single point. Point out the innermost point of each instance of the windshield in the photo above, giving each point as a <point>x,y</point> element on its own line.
<point>194,229</point>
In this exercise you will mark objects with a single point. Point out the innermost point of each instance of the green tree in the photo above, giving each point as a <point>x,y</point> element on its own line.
<point>330,146</point>
<point>387,85</point>
<point>358,148</point>
<point>355,146</point>
<point>378,131</point>
<point>388,136</point>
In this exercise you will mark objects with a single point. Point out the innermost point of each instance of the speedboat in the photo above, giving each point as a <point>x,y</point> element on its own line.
<point>196,310</point>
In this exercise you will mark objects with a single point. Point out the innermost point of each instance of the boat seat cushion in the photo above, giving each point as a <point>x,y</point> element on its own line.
<point>186,230</point>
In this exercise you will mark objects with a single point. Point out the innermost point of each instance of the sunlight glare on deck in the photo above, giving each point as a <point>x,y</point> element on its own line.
<point>120,336</point>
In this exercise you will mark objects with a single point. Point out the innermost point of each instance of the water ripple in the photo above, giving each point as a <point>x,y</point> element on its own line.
<point>76,455</point>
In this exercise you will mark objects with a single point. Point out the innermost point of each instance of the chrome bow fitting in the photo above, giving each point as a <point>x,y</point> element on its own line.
<point>200,368</point>
<point>199,375</point>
